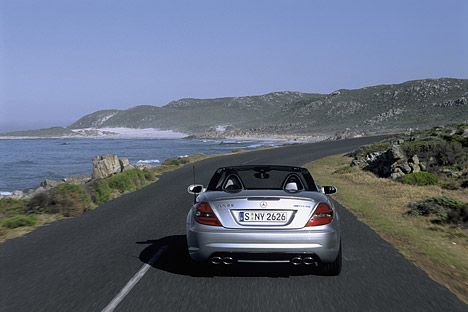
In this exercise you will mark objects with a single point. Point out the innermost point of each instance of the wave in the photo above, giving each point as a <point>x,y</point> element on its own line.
<point>149,161</point>
<point>6,193</point>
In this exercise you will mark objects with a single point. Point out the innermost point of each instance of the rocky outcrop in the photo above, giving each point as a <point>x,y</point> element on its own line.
<point>105,165</point>
<point>125,164</point>
<point>390,163</point>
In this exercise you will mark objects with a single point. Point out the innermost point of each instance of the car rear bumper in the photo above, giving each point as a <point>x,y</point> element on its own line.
<point>205,241</point>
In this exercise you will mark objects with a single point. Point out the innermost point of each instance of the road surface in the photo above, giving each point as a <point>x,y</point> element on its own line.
<point>130,255</point>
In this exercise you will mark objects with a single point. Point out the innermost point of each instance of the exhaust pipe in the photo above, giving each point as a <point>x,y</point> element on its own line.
<point>309,261</point>
<point>296,260</point>
<point>216,260</point>
<point>228,260</point>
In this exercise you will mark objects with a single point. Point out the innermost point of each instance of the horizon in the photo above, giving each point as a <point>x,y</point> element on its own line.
<point>57,68</point>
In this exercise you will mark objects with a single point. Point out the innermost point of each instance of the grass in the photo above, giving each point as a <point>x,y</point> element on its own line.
<point>438,249</point>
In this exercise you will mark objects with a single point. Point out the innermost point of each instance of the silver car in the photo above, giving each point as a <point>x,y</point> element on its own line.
<point>264,214</point>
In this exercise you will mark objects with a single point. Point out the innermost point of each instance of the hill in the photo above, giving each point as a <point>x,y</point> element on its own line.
<point>378,109</point>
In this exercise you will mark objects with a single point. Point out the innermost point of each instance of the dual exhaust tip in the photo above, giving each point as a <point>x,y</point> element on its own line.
<point>306,261</point>
<point>224,260</point>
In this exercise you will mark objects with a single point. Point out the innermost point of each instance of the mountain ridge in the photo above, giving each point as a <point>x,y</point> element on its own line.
<point>344,112</point>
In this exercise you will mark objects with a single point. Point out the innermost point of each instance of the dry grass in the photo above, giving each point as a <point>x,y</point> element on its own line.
<point>440,250</point>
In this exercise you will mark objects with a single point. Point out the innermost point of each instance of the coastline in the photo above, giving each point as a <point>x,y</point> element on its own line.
<point>153,133</point>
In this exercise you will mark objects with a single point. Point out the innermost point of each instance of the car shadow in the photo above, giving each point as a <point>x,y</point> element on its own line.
<point>173,257</point>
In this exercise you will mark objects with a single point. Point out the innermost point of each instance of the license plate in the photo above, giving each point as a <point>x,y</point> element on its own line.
<point>263,216</point>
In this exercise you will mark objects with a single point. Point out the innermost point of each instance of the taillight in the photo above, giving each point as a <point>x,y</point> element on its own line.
<point>205,215</point>
<point>322,215</point>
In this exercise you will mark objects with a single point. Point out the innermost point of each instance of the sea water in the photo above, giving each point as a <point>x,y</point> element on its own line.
<point>25,163</point>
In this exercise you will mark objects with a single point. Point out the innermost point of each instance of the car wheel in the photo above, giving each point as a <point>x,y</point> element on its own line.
<point>333,268</point>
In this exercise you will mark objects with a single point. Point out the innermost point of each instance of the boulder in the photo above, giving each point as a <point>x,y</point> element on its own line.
<point>47,184</point>
<point>395,153</point>
<point>415,160</point>
<point>77,179</point>
<point>17,195</point>
<point>125,164</point>
<point>143,166</point>
<point>404,166</point>
<point>396,173</point>
<point>105,165</point>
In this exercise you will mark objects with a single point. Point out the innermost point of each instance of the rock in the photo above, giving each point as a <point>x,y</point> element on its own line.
<point>404,166</point>
<point>77,179</point>
<point>397,173</point>
<point>143,166</point>
<point>414,167</point>
<point>395,153</point>
<point>125,164</point>
<point>17,195</point>
<point>105,165</point>
<point>415,160</point>
<point>355,163</point>
<point>452,173</point>
<point>423,167</point>
<point>47,184</point>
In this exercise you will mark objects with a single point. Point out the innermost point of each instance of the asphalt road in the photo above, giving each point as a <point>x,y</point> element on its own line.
<point>130,254</point>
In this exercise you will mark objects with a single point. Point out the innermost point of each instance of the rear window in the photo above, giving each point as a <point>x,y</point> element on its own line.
<point>262,178</point>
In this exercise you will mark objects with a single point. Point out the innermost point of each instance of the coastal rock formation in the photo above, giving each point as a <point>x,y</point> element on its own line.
<point>390,163</point>
<point>125,164</point>
<point>105,165</point>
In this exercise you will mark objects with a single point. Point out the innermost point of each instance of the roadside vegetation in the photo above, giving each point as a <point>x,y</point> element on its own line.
<point>21,216</point>
<point>423,214</point>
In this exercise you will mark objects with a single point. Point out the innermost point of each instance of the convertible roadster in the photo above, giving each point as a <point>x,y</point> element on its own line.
<point>264,214</point>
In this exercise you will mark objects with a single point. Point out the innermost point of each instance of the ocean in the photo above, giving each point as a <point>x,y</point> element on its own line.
<point>25,163</point>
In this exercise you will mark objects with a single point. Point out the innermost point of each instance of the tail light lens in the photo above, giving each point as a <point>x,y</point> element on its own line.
<point>205,215</point>
<point>322,215</point>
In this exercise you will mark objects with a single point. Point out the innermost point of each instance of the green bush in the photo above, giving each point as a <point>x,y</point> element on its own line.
<point>456,138</point>
<point>100,191</point>
<point>18,221</point>
<point>445,209</point>
<point>127,181</point>
<point>418,147</point>
<point>12,206</point>
<point>419,178</point>
<point>176,161</point>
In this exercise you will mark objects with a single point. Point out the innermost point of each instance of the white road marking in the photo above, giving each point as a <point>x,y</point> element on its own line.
<point>133,281</point>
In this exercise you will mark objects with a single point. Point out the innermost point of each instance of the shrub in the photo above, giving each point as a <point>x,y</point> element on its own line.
<point>149,176</point>
<point>456,138</point>
<point>69,200</point>
<point>446,209</point>
<point>100,191</point>
<point>13,206</point>
<point>176,161</point>
<point>419,178</point>
<point>38,203</point>
<point>18,221</point>
<point>418,147</point>
<point>127,181</point>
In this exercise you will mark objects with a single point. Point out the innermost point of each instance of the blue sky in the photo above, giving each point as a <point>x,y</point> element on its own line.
<point>60,60</point>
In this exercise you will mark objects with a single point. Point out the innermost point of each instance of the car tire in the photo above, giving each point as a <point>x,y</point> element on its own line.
<point>334,268</point>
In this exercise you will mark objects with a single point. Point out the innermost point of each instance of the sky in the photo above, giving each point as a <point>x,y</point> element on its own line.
<point>63,59</point>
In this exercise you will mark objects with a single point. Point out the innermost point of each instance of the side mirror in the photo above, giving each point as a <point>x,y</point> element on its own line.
<point>195,189</point>
<point>329,189</point>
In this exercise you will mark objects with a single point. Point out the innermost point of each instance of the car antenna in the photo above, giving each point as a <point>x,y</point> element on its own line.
<point>194,195</point>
